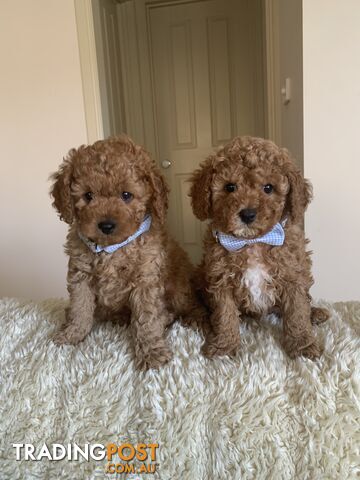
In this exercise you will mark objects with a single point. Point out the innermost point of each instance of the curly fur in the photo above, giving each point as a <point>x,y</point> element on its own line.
<point>259,277</point>
<point>147,283</point>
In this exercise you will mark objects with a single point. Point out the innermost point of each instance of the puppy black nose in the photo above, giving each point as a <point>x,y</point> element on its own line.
<point>107,226</point>
<point>248,215</point>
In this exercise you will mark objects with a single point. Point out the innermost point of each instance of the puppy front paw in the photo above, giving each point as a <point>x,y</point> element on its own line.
<point>312,351</point>
<point>305,346</point>
<point>68,336</point>
<point>154,358</point>
<point>218,346</point>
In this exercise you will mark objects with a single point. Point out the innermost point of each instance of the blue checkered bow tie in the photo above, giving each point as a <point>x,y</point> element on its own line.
<point>94,247</point>
<point>275,237</point>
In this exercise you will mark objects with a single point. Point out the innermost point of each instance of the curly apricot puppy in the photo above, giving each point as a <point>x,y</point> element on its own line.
<point>122,263</point>
<point>255,259</point>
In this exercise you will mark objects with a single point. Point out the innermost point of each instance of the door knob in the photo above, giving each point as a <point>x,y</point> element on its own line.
<point>165,163</point>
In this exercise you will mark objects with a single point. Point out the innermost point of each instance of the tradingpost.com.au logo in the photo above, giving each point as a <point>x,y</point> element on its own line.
<point>144,454</point>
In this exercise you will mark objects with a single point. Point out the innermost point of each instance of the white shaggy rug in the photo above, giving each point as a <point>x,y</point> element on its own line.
<point>257,416</point>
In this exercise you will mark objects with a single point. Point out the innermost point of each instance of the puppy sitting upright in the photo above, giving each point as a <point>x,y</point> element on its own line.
<point>255,259</point>
<point>122,262</point>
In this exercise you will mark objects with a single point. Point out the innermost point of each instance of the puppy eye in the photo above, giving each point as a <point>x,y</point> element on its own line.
<point>126,196</point>
<point>88,196</point>
<point>230,187</point>
<point>268,188</point>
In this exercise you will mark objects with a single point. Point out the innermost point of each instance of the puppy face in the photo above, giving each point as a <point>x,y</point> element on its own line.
<point>247,202</point>
<point>109,196</point>
<point>247,187</point>
<point>108,188</point>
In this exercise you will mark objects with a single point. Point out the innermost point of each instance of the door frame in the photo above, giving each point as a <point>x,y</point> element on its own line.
<point>89,69</point>
<point>90,79</point>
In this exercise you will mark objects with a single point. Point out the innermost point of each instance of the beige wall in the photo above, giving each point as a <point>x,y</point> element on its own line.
<point>331,39</point>
<point>41,117</point>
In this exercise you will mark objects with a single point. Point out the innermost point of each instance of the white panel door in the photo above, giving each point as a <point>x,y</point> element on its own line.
<point>208,87</point>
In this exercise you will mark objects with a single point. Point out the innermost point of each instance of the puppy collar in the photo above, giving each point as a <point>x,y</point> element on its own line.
<point>94,247</point>
<point>275,237</point>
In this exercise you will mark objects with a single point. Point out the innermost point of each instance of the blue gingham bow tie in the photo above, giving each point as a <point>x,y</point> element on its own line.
<point>94,247</point>
<point>275,237</point>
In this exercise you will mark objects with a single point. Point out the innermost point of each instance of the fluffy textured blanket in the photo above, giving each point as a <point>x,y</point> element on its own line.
<point>256,416</point>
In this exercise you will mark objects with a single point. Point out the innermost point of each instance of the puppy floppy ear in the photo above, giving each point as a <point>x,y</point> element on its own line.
<point>299,195</point>
<point>149,171</point>
<point>160,194</point>
<point>60,190</point>
<point>200,191</point>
